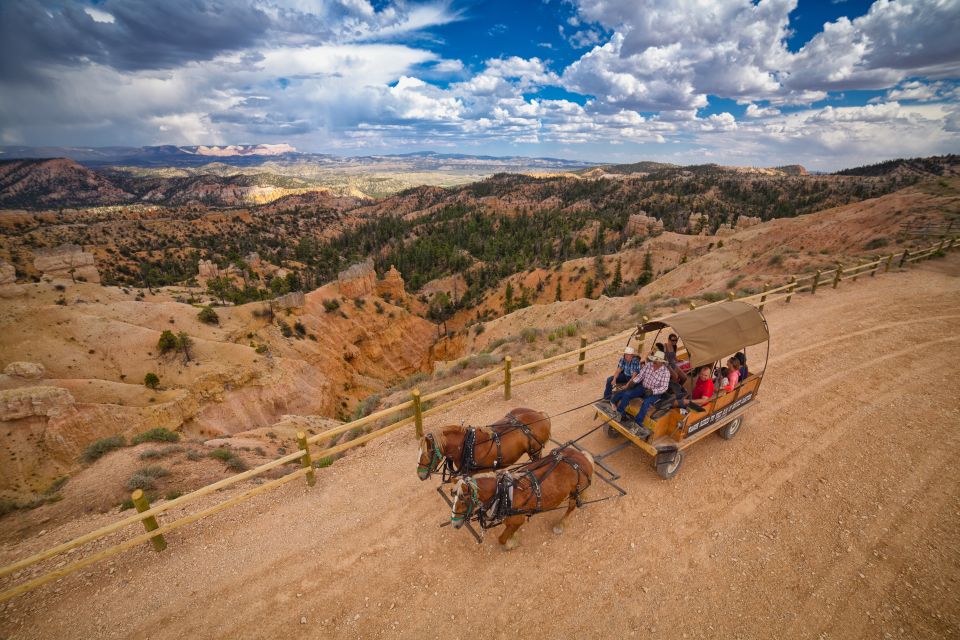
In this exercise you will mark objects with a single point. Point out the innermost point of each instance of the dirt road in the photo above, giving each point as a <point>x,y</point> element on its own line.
<point>834,513</point>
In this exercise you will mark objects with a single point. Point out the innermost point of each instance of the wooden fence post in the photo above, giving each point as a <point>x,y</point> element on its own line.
<point>142,504</point>
<point>731,296</point>
<point>692,305</point>
<point>793,285</point>
<point>507,362</point>
<point>816,281</point>
<point>903,258</point>
<point>583,353</point>
<point>305,460</point>
<point>763,298</point>
<point>836,278</point>
<point>856,273</point>
<point>886,268</point>
<point>417,412</point>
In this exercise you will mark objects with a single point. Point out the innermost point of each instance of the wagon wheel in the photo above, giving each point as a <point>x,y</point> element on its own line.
<point>730,429</point>
<point>669,468</point>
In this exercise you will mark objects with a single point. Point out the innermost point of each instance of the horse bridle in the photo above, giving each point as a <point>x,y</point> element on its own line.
<point>473,504</point>
<point>436,457</point>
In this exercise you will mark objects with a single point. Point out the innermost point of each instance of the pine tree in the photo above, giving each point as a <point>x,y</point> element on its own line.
<point>617,281</point>
<point>508,298</point>
<point>559,295</point>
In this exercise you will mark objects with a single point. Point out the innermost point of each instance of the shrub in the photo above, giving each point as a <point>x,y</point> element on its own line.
<point>323,462</point>
<point>299,328</point>
<point>158,434</point>
<point>876,243</point>
<point>378,306</point>
<point>167,341</point>
<point>102,447</point>
<point>173,495</point>
<point>571,330</point>
<point>262,348</point>
<point>237,464</point>
<point>776,259</point>
<point>285,329</point>
<point>56,485</point>
<point>208,315</point>
<point>477,330</point>
<point>194,455</point>
<point>151,381</point>
<point>713,296</point>
<point>638,309</point>
<point>154,471</point>
<point>331,305</point>
<point>359,302</point>
<point>529,334</point>
<point>222,455</point>
<point>6,506</point>
<point>151,454</point>
<point>145,478</point>
<point>367,406</point>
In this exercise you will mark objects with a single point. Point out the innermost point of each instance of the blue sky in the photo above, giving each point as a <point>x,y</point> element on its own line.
<point>741,82</point>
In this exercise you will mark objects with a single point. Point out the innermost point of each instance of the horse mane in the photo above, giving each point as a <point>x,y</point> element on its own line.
<point>440,436</point>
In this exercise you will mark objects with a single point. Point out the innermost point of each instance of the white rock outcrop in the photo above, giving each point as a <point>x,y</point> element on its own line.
<point>33,401</point>
<point>25,370</point>
<point>358,280</point>
<point>67,261</point>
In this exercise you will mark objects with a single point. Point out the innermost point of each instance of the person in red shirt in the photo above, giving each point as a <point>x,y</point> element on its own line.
<point>703,389</point>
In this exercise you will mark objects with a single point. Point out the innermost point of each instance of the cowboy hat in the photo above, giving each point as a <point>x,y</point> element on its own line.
<point>628,351</point>
<point>657,356</point>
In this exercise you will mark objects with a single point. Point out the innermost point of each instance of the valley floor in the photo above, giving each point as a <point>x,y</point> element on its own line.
<point>834,513</point>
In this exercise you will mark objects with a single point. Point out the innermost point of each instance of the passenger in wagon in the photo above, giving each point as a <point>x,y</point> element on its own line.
<point>733,374</point>
<point>703,389</point>
<point>670,349</point>
<point>628,367</point>
<point>650,384</point>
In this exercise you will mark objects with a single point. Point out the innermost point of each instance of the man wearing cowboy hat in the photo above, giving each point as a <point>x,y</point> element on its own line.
<point>649,383</point>
<point>628,367</point>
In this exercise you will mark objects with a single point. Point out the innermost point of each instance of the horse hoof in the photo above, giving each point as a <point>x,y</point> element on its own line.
<point>510,544</point>
<point>558,529</point>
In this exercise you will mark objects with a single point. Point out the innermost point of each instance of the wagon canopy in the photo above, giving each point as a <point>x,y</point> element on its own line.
<point>715,331</point>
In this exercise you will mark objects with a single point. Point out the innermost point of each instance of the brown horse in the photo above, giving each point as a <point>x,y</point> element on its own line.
<point>461,450</point>
<point>513,496</point>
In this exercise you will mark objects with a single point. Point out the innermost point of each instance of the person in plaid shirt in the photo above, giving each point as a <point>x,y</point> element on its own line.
<point>650,383</point>
<point>628,367</point>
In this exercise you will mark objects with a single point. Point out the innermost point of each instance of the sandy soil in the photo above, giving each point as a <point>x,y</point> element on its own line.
<point>835,513</point>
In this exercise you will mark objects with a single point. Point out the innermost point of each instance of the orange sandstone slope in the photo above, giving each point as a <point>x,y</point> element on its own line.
<point>86,350</point>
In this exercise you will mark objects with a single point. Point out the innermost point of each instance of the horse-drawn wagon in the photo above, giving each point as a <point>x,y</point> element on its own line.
<point>675,422</point>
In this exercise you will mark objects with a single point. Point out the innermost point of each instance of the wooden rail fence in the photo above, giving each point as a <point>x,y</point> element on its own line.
<point>418,409</point>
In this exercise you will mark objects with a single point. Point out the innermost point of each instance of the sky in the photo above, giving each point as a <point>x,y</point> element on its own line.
<point>827,84</point>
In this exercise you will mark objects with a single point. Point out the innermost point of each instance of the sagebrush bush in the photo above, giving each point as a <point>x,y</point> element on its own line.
<point>157,434</point>
<point>223,454</point>
<point>208,315</point>
<point>102,447</point>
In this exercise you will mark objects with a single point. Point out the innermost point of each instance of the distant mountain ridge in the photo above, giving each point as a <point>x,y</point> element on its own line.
<point>254,155</point>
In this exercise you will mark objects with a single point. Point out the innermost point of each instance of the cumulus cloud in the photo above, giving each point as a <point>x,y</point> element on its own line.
<point>352,74</point>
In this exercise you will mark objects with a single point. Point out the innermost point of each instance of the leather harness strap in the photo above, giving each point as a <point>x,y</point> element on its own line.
<point>516,422</point>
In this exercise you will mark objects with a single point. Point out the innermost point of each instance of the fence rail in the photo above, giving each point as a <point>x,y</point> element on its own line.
<point>415,405</point>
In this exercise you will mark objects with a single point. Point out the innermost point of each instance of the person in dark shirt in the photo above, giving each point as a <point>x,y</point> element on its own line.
<point>628,366</point>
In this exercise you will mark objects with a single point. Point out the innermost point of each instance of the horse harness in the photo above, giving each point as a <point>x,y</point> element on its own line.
<point>500,507</point>
<point>468,460</point>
